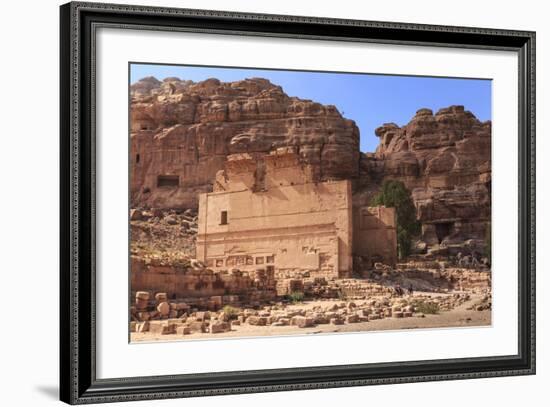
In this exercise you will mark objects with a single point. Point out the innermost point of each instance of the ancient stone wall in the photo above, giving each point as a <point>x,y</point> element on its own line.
<point>290,224</point>
<point>193,283</point>
<point>374,235</point>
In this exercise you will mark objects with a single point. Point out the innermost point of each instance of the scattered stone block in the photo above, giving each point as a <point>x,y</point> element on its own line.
<point>284,321</point>
<point>142,295</point>
<point>155,327</point>
<point>141,304</point>
<point>352,319</point>
<point>198,326</point>
<point>183,330</point>
<point>144,316</point>
<point>142,326</point>
<point>219,327</point>
<point>163,309</point>
<point>256,320</point>
<point>202,315</point>
<point>302,322</point>
<point>168,329</point>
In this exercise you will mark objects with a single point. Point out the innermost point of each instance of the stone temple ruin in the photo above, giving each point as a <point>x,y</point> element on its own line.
<point>242,196</point>
<point>267,211</point>
<point>267,227</point>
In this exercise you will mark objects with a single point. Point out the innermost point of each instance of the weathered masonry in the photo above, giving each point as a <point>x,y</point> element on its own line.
<point>267,212</point>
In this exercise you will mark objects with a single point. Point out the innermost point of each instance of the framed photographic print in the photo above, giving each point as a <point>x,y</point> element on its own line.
<point>255,203</point>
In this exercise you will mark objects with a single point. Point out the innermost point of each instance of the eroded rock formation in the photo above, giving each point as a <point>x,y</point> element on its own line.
<point>445,160</point>
<point>182,133</point>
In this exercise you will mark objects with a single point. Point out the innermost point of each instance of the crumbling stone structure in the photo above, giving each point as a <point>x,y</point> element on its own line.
<point>269,212</point>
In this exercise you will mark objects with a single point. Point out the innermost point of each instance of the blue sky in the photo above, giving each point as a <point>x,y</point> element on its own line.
<point>370,100</point>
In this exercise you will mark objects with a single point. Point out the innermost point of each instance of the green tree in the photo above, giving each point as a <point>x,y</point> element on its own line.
<point>394,194</point>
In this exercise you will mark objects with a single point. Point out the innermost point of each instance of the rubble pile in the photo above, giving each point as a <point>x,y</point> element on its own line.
<point>178,318</point>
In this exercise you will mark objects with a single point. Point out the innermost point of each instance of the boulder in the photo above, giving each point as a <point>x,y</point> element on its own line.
<point>219,327</point>
<point>302,322</point>
<point>163,309</point>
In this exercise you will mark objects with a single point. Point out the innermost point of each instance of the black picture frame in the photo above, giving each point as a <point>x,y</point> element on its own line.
<point>78,382</point>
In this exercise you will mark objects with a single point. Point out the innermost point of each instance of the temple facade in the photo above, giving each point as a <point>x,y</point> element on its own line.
<point>268,212</point>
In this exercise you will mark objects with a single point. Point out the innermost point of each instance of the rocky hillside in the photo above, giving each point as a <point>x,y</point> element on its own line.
<point>445,160</point>
<point>181,133</point>
<point>187,129</point>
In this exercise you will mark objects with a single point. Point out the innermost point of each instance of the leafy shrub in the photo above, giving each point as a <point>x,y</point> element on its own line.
<point>426,307</point>
<point>230,311</point>
<point>296,296</point>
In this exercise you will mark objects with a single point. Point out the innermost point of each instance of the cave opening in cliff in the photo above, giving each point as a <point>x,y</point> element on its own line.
<point>168,181</point>
<point>442,230</point>
<point>137,158</point>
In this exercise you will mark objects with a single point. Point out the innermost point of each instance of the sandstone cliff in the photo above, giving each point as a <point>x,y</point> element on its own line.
<point>182,132</point>
<point>445,160</point>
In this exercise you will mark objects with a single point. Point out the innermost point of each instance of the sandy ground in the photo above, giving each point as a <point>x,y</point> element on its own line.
<point>458,317</point>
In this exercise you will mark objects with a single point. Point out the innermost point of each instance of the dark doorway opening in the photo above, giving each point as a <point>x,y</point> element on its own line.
<point>168,181</point>
<point>442,230</point>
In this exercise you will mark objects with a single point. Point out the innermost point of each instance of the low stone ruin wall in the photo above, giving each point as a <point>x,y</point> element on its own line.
<point>197,285</point>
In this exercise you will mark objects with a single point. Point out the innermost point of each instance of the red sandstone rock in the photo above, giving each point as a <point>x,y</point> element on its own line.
<point>219,327</point>
<point>302,322</point>
<point>445,160</point>
<point>184,131</point>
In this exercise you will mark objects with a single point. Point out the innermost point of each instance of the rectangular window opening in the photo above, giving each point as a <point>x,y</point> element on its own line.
<point>168,181</point>
<point>223,218</point>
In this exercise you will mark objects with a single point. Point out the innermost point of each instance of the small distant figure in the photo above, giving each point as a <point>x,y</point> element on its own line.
<point>411,290</point>
<point>458,258</point>
<point>398,290</point>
